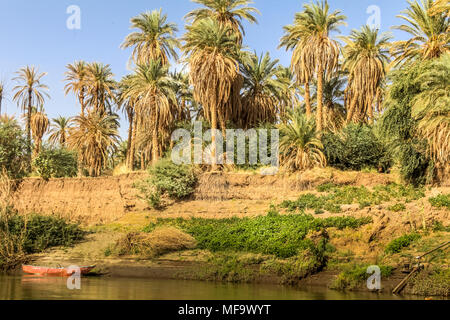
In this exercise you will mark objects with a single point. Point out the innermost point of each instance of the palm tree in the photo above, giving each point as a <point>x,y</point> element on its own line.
<point>76,75</point>
<point>213,62</point>
<point>185,96</point>
<point>28,93</point>
<point>94,136</point>
<point>229,13</point>
<point>263,91</point>
<point>366,57</point>
<point>153,86</point>
<point>100,87</point>
<point>39,126</point>
<point>154,40</point>
<point>430,34</point>
<point>432,109</point>
<point>59,131</point>
<point>315,53</point>
<point>300,145</point>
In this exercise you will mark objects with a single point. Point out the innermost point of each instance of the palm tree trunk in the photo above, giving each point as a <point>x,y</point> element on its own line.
<point>319,115</point>
<point>155,155</point>
<point>351,110</point>
<point>29,129</point>
<point>132,150</point>
<point>213,136</point>
<point>80,164</point>
<point>130,136</point>
<point>308,100</point>
<point>1,98</point>
<point>370,111</point>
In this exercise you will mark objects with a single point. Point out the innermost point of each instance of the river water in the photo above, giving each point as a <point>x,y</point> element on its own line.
<point>28,287</point>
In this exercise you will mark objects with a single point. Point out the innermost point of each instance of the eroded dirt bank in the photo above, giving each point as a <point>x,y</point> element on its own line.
<point>107,199</point>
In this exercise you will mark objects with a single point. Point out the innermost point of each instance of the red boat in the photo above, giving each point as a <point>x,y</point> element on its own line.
<point>59,272</point>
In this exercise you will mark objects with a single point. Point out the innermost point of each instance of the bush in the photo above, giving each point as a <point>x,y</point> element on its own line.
<point>42,232</point>
<point>13,148</point>
<point>355,148</point>
<point>441,201</point>
<point>167,178</point>
<point>56,163</point>
<point>281,235</point>
<point>397,245</point>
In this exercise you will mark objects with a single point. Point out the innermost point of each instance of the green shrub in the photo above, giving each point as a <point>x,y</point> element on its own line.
<point>355,148</point>
<point>280,235</point>
<point>42,232</point>
<point>441,201</point>
<point>397,245</point>
<point>13,148</point>
<point>167,178</point>
<point>56,163</point>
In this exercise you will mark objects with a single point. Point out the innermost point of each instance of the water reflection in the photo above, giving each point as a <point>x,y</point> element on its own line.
<point>30,287</point>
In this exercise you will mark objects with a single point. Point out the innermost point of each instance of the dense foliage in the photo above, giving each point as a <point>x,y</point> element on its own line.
<point>280,235</point>
<point>356,147</point>
<point>56,163</point>
<point>13,148</point>
<point>398,244</point>
<point>167,178</point>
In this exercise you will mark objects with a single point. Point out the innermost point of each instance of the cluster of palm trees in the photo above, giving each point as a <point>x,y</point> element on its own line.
<point>332,83</point>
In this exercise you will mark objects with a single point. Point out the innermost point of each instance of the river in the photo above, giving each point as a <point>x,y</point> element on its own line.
<point>28,287</point>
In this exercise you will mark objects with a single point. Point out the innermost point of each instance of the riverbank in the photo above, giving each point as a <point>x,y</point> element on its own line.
<point>321,229</point>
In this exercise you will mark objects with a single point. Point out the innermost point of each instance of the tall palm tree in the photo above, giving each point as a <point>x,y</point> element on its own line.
<point>39,126</point>
<point>76,75</point>
<point>94,136</point>
<point>366,57</point>
<point>432,109</point>
<point>300,145</point>
<point>154,87</point>
<point>229,13</point>
<point>315,53</point>
<point>184,94</point>
<point>59,131</point>
<point>213,60</point>
<point>154,40</point>
<point>29,92</point>
<point>101,87</point>
<point>430,34</point>
<point>263,91</point>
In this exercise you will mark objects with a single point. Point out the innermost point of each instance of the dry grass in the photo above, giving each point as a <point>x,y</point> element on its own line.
<point>160,241</point>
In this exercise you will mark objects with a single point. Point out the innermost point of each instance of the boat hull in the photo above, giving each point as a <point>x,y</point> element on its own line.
<point>58,272</point>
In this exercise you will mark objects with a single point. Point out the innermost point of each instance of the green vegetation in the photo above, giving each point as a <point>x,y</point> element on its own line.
<point>56,163</point>
<point>441,201</point>
<point>336,196</point>
<point>397,245</point>
<point>354,275</point>
<point>283,236</point>
<point>356,147</point>
<point>20,236</point>
<point>167,178</point>
<point>13,148</point>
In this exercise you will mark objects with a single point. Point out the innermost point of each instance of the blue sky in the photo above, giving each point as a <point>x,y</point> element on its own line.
<point>34,32</point>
